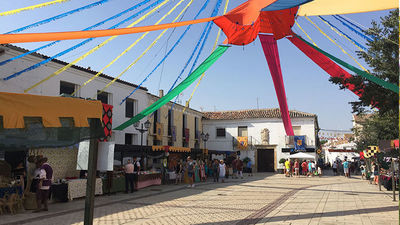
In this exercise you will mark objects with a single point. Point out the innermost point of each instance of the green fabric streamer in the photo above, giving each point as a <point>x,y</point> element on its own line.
<point>364,74</point>
<point>178,89</point>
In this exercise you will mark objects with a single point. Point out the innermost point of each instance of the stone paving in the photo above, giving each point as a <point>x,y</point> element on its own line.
<point>263,199</point>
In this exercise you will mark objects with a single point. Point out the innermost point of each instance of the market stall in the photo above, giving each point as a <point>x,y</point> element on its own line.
<point>148,178</point>
<point>77,188</point>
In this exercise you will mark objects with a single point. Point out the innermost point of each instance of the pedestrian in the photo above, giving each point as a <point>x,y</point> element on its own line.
<point>43,190</point>
<point>215,169</point>
<point>314,168</point>
<point>190,171</point>
<point>202,171</point>
<point>240,168</point>
<point>129,176</point>
<point>196,171</point>
<point>287,168</point>
<point>234,168</point>
<point>222,170</point>
<point>178,172</point>
<point>291,171</point>
<point>310,171</point>
<point>375,171</point>
<point>296,168</point>
<point>304,168</point>
<point>346,168</point>
<point>136,171</point>
<point>334,168</point>
<point>363,173</point>
<point>249,168</point>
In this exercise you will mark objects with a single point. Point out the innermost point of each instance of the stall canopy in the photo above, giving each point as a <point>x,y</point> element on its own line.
<point>301,155</point>
<point>32,121</point>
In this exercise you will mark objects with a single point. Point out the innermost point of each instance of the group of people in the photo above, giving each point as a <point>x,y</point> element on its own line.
<point>306,168</point>
<point>342,167</point>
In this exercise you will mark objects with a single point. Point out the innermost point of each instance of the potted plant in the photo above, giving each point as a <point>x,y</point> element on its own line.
<point>281,161</point>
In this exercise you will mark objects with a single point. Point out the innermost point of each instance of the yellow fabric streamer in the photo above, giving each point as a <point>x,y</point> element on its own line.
<point>215,45</point>
<point>334,42</point>
<point>95,48</point>
<point>15,11</point>
<point>127,49</point>
<point>305,33</point>
<point>341,34</point>
<point>146,50</point>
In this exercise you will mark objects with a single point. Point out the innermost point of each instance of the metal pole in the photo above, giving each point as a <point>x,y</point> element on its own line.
<point>379,175</point>
<point>393,181</point>
<point>91,180</point>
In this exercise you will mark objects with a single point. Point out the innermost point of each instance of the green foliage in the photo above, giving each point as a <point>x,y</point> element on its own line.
<point>282,161</point>
<point>246,160</point>
<point>383,58</point>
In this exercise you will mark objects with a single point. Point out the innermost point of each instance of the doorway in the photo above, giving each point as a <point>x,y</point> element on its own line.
<point>265,160</point>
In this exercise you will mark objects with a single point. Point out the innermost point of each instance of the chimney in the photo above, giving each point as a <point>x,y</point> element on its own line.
<point>161,93</point>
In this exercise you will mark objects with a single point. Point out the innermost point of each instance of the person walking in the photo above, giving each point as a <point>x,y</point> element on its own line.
<point>222,170</point>
<point>215,170</point>
<point>287,168</point>
<point>304,168</point>
<point>190,171</point>
<point>249,167</point>
<point>363,173</point>
<point>334,168</point>
<point>43,190</point>
<point>202,171</point>
<point>234,168</point>
<point>296,168</point>
<point>178,172</point>
<point>346,168</point>
<point>129,176</point>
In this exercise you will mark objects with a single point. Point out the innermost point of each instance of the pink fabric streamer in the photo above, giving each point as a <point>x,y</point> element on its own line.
<point>271,54</point>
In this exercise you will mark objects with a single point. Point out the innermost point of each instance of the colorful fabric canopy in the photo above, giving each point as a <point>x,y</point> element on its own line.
<point>374,79</point>
<point>182,86</point>
<point>14,107</point>
<point>285,4</point>
<point>324,62</point>
<point>270,48</point>
<point>332,7</point>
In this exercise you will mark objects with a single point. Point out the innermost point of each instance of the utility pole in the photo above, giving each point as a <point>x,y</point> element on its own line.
<point>257,104</point>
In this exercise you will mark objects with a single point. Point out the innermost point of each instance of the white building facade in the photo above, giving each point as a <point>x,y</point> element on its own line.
<point>267,140</point>
<point>68,82</point>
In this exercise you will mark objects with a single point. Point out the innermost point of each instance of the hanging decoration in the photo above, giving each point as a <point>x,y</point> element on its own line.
<point>125,51</point>
<point>182,86</point>
<point>270,48</point>
<point>88,28</point>
<point>168,53</point>
<point>361,34</point>
<point>11,12</point>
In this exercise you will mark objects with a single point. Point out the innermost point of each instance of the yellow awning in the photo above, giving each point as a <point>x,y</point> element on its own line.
<point>179,149</point>
<point>332,7</point>
<point>14,107</point>
<point>158,148</point>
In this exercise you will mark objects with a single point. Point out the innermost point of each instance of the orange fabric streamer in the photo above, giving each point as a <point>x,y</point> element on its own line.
<point>53,36</point>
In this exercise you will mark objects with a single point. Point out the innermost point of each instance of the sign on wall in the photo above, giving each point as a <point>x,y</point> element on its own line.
<point>242,143</point>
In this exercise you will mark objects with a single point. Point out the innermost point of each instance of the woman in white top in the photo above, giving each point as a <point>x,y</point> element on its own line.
<point>222,170</point>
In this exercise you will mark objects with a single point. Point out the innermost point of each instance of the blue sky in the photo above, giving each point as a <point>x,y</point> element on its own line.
<point>233,82</point>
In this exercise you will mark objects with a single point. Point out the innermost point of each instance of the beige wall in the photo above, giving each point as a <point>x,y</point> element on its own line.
<point>178,118</point>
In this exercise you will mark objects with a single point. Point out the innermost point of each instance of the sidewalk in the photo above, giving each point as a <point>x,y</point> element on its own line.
<point>265,198</point>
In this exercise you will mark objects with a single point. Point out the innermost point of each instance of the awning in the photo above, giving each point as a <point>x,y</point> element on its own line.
<point>301,155</point>
<point>32,121</point>
<point>178,149</point>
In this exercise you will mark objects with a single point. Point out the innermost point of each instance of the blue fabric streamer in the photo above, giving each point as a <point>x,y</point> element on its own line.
<point>58,16</point>
<point>352,29</point>
<point>168,53</point>
<point>355,42</point>
<point>204,35</point>
<point>89,28</point>
<point>284,4</point>
<point>78,45</point>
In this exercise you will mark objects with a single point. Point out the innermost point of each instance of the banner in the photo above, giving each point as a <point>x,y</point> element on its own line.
<point>299,142</point>
<point>107,121</point>
<point>242,143</point>
<point>173,132</point>
<point>105,157</point>
<point>187,133</point>
<point>159,131</point>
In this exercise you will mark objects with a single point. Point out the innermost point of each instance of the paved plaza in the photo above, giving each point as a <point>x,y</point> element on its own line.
<point>266,198</point>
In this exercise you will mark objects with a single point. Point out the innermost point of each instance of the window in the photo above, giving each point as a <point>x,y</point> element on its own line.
<point>184,121</point>
<point>297,130</point>
<point>156,117</point>
<point>128,139</point>
<point>104,97</point>
<point>196,128</point>
<point>130,108</point>
<point>170,122</point>
<point>242,131</point>
<point>67,88</point>
<point>221,132</point>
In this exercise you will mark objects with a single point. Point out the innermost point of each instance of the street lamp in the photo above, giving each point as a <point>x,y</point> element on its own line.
<point>204,137</point>
<point>145,127</point>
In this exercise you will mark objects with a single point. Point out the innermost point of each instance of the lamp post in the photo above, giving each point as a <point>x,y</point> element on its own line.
<point>204,137</point>
<point>145,127</point>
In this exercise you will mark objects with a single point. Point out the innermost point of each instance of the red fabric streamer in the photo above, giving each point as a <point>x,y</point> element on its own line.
<point>270,48</point>
<point>325,63</point>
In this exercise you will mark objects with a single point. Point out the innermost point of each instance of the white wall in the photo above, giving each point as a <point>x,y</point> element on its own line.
<point>52,87</point>
<point>255,126</point>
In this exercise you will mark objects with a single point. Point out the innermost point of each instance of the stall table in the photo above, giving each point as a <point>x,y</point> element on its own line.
<point>146,180</point>
<point>77,188</point>
<point>59,192</point>
<point>118,185</point>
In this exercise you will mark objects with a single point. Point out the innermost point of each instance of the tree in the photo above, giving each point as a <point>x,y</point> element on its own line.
<point>382,57</point>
